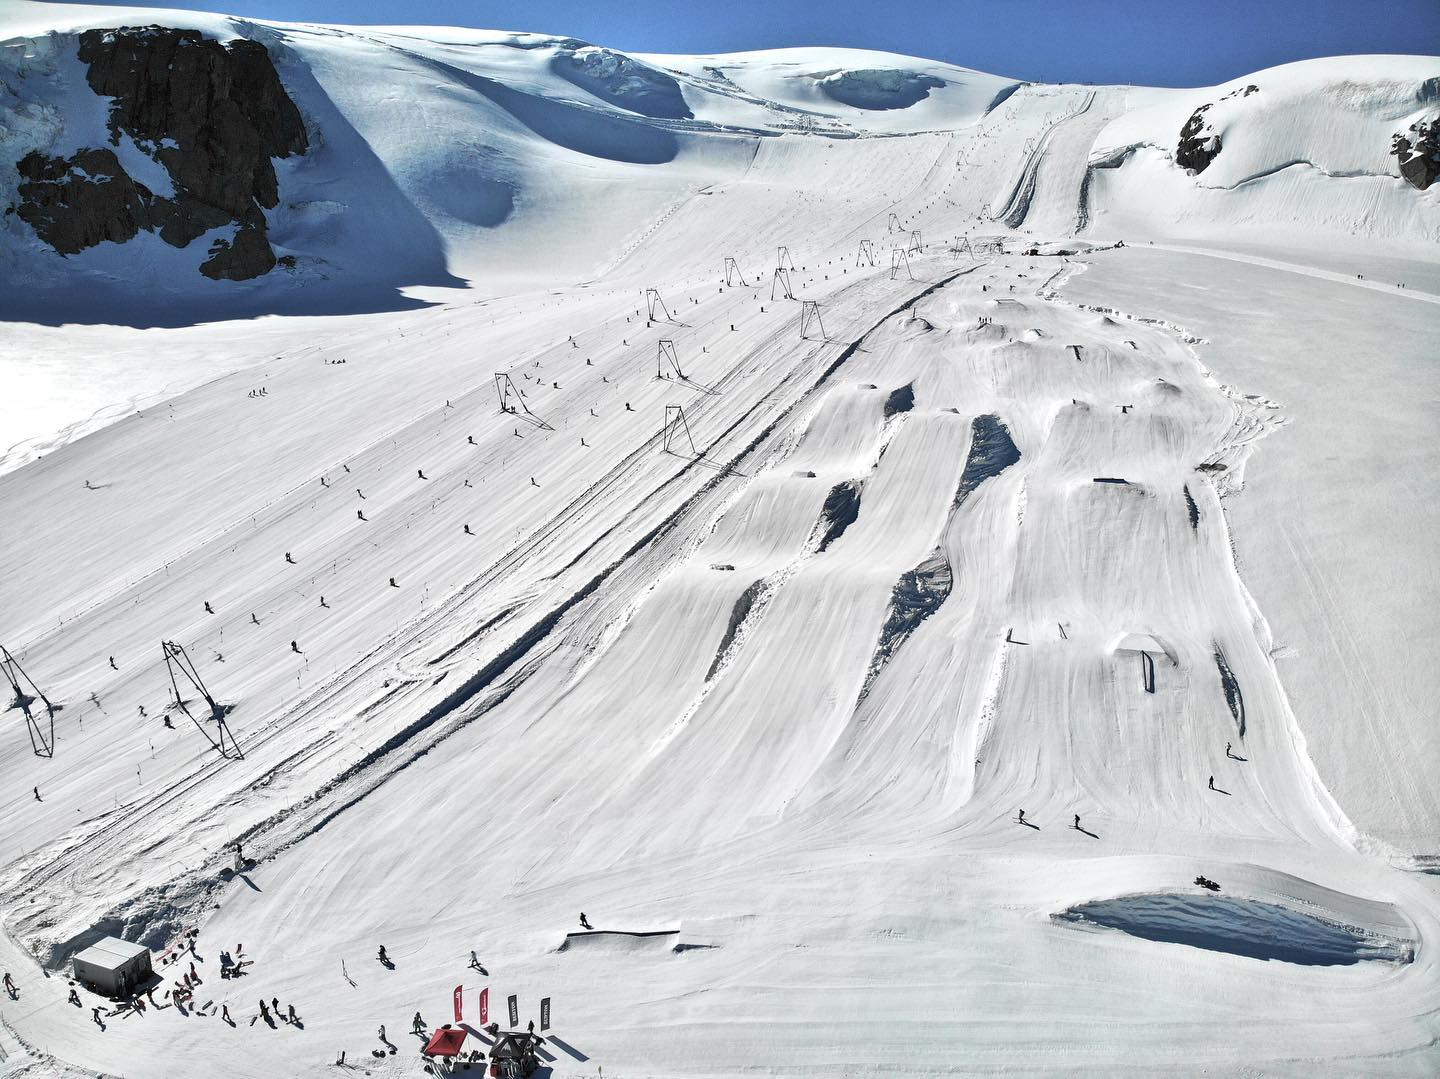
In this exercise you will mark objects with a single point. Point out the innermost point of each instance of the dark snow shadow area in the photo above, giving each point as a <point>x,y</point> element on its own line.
<point>618,80</point>
<point>592,132</point>
<point>879,89</point>
<point>1237,926</point>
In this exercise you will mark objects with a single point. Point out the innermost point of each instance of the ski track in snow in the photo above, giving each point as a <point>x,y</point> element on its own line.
<point>636,682</point>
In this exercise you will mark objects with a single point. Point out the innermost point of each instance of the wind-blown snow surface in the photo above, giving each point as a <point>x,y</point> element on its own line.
<point>1100,516</point>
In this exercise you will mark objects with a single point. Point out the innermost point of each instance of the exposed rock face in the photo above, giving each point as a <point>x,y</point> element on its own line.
<point>81,201</point>
<point>1418,153</point>
<point>1199,142</point>
<point>214,115</point>
<point>1196,148</point>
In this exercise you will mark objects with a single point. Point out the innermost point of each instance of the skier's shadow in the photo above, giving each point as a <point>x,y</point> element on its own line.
<point>1219,790</point>
<point>1086,831</point>
<point>1027,824</point>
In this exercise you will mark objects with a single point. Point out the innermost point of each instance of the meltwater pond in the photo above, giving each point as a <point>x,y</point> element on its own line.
<point>1238,926</point>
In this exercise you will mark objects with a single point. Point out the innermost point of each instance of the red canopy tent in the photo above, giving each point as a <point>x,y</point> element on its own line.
<point>445,1042</point>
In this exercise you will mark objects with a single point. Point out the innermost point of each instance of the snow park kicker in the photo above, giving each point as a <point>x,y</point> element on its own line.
<point>425,561</point>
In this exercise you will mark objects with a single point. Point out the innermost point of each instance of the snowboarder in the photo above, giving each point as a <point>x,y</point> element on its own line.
<point>470,439</point>
<point>420,472</point>
<point>112,664</point>
<point>209,609</point>
<point>417,1025</point>
<point>382,956</point>
<point>360,514</point>
<point>1212,783</point>
<point>288,558</point>
<point>75,998</point>
<point>474,960</point>
<point>296,649</point>
<point>584,922</point>
<point>360,492</point>
<point>38,799</point>
<point>533,483</point>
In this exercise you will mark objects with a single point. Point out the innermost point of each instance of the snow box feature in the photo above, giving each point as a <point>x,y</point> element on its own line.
<point>1236,926</point>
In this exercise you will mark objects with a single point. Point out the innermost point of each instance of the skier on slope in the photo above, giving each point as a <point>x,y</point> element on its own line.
<point>1212,783</point>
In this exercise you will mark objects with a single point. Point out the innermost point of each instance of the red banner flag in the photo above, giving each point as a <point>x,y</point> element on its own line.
<point>484,1005</point>
<point>459,1003</point>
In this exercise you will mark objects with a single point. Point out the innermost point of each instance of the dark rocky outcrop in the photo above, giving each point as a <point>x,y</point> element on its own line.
<point>1418,152</point>
<point>77,202</point>
<point>214,115</point>
<point>1198,145</point>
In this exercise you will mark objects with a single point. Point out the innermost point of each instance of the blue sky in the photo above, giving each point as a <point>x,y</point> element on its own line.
<point>1150,42</point>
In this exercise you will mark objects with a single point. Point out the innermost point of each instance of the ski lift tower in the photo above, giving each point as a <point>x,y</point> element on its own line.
<point>676,431</point>
<point>915,244</point>
<point>180,667</point>
<point>652,301</point>
<point>810,315</point>
<point>41,743</point>
<point>665,354</point>
<point>782,257</point>
<point>893,224</point>
<point>866,252</point>
<point>898,258</point>
<point>732,271</point>
<point>782,279</point>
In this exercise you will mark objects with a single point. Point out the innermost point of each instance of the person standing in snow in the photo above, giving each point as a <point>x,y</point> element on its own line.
<point>1212,783</point>
<point>1077,822</point>
<point>1021,818</point>
<point>417,1025</point>
<point>382,956</point>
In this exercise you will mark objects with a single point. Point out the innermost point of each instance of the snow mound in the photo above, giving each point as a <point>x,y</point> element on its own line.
<point>879,88</point>
<point>1239,926</point>
<point>618,80</point>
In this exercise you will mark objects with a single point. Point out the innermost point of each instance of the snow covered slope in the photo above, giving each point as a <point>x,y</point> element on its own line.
<point>880,708</point>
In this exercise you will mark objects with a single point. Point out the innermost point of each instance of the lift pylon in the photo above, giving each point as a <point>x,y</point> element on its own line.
<point>893,224</point>
<point>676,431</point>
<point>512,400</point>
<point>866,252</point>
<point>783,261</point>
<point>915,244</point>
<point>182,669</point>
<point>810,316</point>
<point>665,354</point>
<point>652,301</point>
<point>42,740</point>
<point>898,258</point>
<point>782,280</point>
<point>732,272</point>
